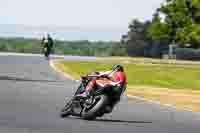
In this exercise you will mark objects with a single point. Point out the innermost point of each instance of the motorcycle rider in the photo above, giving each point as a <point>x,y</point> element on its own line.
<point>47,42</point>
<point>115,79</point>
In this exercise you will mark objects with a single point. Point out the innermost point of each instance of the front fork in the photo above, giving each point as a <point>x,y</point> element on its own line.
<point>78,105</point>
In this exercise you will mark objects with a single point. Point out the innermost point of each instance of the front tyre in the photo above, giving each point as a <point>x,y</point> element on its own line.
<point>67,110</point>
<point>92,113</point>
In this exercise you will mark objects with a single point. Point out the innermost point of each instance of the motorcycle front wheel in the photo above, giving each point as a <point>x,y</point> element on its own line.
<point>66,110</point>
<point>92,113</point>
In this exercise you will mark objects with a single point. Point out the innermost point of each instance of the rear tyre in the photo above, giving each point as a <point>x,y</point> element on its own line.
<point>91,114</point>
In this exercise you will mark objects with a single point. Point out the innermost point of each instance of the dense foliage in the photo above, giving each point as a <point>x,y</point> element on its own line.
<point>138,42</point>
<point>175,22</point>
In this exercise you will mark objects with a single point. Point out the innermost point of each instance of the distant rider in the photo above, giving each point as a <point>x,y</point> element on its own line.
<point>47,43</point>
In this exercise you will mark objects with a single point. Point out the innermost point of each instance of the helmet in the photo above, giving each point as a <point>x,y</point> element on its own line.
<point>46,35</point>
<point>117,67</point>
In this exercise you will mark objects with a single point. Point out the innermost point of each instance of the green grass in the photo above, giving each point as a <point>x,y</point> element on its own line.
<point>168,76</point>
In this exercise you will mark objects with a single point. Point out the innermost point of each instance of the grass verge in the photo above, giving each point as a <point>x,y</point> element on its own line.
<point>150,81</point>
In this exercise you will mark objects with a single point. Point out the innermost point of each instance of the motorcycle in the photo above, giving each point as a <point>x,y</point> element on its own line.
<point>101,101</point>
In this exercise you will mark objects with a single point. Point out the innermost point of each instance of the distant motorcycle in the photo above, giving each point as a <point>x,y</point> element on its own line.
<point>100,102</point>
<point>47,45</point>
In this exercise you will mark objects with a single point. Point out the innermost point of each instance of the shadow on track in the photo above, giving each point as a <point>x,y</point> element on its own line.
<point>114,121</point>
<point>24,79</point>
<point>120,121</point>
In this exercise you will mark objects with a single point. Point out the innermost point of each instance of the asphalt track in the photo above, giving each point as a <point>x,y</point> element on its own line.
<point>32,93</point>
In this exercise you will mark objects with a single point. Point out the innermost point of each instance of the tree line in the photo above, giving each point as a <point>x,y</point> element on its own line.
<point>83,47</point>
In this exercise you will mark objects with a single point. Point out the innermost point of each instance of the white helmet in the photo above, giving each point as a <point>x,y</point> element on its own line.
<point>46,35</point>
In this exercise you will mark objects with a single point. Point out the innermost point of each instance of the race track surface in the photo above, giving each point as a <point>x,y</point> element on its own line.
<point>32,93</point>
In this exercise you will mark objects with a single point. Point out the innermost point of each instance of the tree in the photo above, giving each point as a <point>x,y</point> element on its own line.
<point>181,23</point>
<point>158,30</point>
<point>136,38</point>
